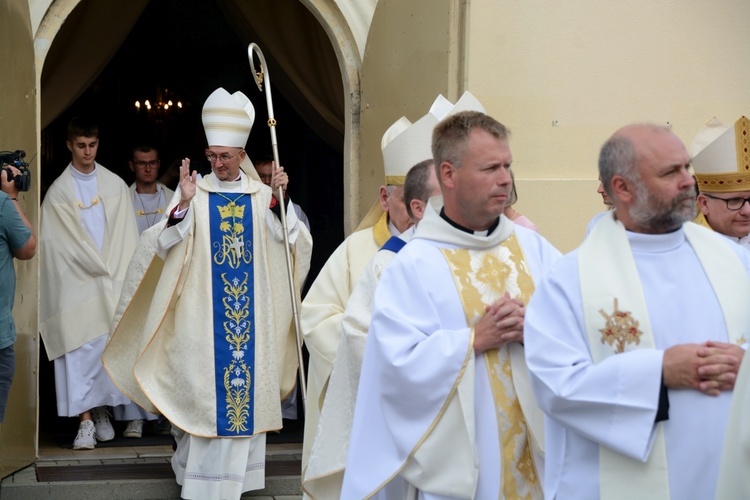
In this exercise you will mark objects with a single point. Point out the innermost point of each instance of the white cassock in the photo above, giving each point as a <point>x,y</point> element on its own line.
<point>322,309</point>
<point>613,404</point>
<point>425,417</point>
<point>325,471</point>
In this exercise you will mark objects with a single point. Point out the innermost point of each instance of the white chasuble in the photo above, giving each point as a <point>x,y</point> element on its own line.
<point>425,416</point>
<point>482,277</point>
<point>204,337</point>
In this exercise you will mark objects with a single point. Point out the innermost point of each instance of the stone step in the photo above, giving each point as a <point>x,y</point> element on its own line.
<point>141,473</point>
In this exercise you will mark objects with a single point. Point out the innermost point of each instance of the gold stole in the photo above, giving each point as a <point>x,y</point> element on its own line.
<point>482,277</point>
<point>617,320</point>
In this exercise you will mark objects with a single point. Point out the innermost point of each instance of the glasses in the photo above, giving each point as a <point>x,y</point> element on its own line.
<point>144,164</point>
<point>223,157</point>
<point>733,204</point>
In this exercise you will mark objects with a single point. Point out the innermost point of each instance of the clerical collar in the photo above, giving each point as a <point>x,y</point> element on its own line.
<point>656,243</point>
<point>486,232</point>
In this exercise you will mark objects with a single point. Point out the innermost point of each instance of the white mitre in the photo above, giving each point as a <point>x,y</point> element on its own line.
<point>467,102</point>
<point>227,121</point>
<point>721,157</point>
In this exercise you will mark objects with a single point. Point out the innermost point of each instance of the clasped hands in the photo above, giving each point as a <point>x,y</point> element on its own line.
<point>710,367</point>
<point>501,323</point>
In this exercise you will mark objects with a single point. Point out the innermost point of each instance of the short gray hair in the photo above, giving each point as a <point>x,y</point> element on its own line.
<point>617,157</point>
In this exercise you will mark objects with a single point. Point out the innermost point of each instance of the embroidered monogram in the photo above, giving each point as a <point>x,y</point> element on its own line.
<point>232,249</point>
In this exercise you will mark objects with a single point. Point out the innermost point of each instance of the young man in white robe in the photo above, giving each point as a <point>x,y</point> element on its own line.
<point>203,331</point>
<point>444,409</point>
<point>634,339</point>
<point>87,236</point>
<point>325,471</point>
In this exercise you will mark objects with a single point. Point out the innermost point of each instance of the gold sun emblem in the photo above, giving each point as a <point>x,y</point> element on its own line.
<point>620,329</point>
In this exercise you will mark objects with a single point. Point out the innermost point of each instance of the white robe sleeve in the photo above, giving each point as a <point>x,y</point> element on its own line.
<point>292,224</point>
<point>612,403</point>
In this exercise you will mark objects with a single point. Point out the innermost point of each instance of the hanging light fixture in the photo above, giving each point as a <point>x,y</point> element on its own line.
<point>165,102</point>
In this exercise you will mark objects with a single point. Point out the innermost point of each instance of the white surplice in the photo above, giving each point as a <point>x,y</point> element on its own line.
<point>614,403</point>
<point>415,357</point>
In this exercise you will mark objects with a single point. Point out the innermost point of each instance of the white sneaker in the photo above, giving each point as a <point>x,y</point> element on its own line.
<point>134,429</point>
<point>104,430</point>
<point>85,439</point>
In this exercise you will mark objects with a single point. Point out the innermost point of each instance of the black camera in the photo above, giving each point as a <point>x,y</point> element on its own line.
<point>22,180</point>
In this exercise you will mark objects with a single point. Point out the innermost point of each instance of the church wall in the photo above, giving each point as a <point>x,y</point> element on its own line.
<point>565,75</point>
<point>411,56</point>
<point>18,122</point>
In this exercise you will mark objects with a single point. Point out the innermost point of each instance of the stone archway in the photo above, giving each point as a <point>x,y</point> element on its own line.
<point>348,55</point>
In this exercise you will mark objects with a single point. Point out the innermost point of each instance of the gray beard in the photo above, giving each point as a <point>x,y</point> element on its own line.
<point>662,217</point>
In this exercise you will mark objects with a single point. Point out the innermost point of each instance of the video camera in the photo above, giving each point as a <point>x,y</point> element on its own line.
<point>22,180</point>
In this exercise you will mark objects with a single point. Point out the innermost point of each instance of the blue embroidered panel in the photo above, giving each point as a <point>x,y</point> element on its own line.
<point>232,280</point>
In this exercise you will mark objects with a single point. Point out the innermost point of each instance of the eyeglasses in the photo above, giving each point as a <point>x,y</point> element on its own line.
<point>223,157</point>
<point>144,164</point>
<point>733,204</point>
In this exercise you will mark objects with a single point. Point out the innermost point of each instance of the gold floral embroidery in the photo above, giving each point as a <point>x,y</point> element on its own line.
<point>482,277</point>
<point>620,329</point>
<point>237,379</point>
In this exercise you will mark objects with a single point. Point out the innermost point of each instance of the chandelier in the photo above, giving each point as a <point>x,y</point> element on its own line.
<point>165,102</point>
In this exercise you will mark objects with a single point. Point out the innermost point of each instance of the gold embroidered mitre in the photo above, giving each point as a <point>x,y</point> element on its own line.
<point>721,157</point>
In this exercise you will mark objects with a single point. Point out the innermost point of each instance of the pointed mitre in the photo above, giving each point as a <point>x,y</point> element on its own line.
<point>227,118</point>
<point>721,157</point>
<point>467,102</point>
<point>405,144</point>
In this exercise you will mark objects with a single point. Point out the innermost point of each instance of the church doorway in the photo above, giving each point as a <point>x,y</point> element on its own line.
<point>182,50</point>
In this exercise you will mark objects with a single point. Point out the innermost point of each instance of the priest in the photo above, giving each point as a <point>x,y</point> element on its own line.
<point>444,408</point>
<point>634,340</point>
<point>203,331</point>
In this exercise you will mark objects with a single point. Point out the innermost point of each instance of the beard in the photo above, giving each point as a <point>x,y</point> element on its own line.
<point>662,216</point>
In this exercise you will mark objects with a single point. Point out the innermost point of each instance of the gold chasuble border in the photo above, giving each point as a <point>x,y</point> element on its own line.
<point>482,277</point>
<point>232,275</point>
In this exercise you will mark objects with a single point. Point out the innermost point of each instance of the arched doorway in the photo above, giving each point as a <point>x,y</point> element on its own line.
<point>191,47</point>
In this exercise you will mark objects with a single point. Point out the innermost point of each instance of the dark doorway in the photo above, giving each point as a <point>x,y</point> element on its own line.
<point>183,50</point>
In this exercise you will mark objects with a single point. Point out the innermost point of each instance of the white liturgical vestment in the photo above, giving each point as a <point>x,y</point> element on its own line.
<point>325,470</point>
<point>425,417</point>
<point>613,404</point>
<point>321,312</point>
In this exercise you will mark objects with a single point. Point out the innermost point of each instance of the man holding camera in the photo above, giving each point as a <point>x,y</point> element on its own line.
<point>17,240</point>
